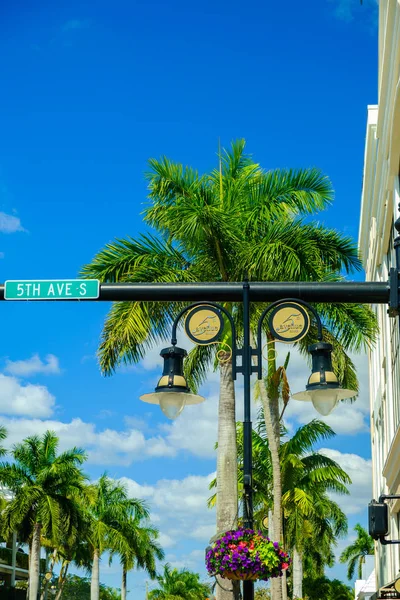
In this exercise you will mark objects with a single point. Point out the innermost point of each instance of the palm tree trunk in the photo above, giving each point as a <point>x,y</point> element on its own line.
<point>297,574</point>
<point>284,586</point>
<point>47,580</point>
<point>123,583</point>
<point>227,491</point>
<point>270,525</point>
<point>272,427</point>
<point>62,579</point>
<point>95,581</point>
<point>271,414</point>
<point>13,558</point>
<point>29,567</point>
<point>34,567</point>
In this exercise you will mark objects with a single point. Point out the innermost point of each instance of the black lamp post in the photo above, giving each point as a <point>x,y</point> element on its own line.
<point>323,389</point>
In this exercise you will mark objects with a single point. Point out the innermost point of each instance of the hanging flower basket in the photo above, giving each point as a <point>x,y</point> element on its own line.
<point>244,554</point>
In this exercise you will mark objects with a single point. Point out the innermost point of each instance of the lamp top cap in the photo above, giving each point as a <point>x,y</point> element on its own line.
<point>173,350</point>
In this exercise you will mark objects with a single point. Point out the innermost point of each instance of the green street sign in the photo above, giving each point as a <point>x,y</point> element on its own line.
<point>52,289</point>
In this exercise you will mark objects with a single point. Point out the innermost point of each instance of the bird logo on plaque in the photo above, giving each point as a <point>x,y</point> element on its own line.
<point>204,325</point>
<point>289,322</point>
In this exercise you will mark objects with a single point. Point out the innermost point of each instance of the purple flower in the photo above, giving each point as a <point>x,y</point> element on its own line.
<point>222,558</point>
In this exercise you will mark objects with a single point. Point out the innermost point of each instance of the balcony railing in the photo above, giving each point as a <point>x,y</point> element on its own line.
<point>22,559</point>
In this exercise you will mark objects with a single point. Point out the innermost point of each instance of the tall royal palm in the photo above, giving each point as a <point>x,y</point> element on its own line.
<point>237,221</point>
<point>355,553</point>
<point>311,517</point>
<point>142,549</point>
<point>45,487</point>
<point>109,508</point>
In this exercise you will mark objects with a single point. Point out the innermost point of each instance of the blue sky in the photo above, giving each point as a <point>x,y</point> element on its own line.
<point>91,90</point>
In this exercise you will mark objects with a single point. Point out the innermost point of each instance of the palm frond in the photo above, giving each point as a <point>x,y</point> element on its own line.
<point>281,192</point>
<point>306,436</point>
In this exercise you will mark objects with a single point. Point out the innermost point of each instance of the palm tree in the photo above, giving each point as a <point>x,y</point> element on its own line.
<point>181,584</point>
<point>309,513</point>
<point>68,548</point>
<point>45,487</point>
<point>357,551</point>
<point>109,508</point>
<point>142,550</point>
<point>312,521</point>
<point>234,222</point>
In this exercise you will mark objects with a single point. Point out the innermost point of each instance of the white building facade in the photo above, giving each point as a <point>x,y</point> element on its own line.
<point>379,210</point>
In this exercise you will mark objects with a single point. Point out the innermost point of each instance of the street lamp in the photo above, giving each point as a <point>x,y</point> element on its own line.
<point>288,322</point>
<point>172,392</point>
<point>323,388</point>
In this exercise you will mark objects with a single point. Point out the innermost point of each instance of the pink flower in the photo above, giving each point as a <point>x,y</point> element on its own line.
<point>285,566</point>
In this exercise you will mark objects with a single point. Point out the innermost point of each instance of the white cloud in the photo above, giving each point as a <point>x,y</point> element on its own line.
<point>153,360</point>
<point>136,422</point>
<point>28,400</point>
<point>190,560</point>
<point>346,419</point>
<point>104,447</point>
<point>34,366</point>
<point>360,472</point>
<point>9,223</point>
<point>180,505</point>
<point>195,430</point>
<point>203,532</point>
<point>165,540</point>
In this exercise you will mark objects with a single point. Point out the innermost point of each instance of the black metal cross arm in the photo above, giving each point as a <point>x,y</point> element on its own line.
<point>335,292</point>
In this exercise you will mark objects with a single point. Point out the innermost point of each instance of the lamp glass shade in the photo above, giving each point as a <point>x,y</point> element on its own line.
<point>324,401</point>
<point>172,403</point>
<point>323,388</point>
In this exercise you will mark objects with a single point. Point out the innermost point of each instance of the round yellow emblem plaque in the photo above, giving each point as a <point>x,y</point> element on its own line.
<point>204,325</point>
<point>289,322</point>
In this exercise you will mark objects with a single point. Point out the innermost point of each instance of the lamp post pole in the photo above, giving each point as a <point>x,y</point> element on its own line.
<point>248,586</point>
<point>289,321</point>
<point>207,294</point>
